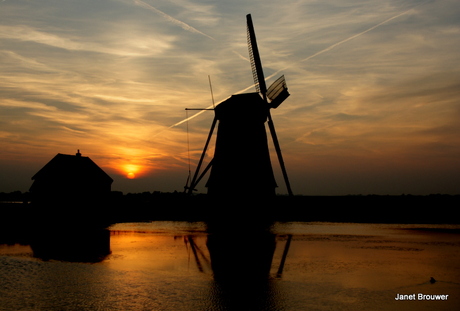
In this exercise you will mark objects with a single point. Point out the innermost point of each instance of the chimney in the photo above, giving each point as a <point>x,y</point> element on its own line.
<point>78,153</point>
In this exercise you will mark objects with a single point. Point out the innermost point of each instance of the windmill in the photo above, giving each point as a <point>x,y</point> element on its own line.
<point>241,157</point>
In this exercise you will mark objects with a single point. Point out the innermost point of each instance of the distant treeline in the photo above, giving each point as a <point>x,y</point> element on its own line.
<point>434,208</point>
<point>15,196</point>
<point>151,206</point>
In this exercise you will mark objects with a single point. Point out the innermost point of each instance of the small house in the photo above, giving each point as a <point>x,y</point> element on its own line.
<point>70,186</point>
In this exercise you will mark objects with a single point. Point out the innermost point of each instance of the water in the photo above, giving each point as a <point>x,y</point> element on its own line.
<point>179,266</point>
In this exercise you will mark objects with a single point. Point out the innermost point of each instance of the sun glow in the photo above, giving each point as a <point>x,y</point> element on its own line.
<point>131,171</point>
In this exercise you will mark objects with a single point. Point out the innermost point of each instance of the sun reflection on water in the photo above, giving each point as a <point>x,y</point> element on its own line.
<point>168,266</point>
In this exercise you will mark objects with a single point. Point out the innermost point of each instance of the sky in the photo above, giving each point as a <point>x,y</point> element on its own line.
<point>374,105</point>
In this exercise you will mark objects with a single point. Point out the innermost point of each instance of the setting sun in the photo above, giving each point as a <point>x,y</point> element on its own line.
<point>131,170</point>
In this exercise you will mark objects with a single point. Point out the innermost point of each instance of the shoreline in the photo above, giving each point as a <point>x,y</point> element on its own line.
<point>404,209</point>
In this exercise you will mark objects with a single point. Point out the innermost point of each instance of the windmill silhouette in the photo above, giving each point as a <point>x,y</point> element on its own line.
<point>241,159</point>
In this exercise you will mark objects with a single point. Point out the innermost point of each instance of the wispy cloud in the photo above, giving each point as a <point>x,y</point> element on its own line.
<point>373,85</point>
<point>329,48</point>
<point>129,47</point>
<point>171,19</point>
<point>335,45</point>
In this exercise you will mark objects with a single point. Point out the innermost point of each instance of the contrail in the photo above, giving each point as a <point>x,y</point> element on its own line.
<point>185,120</point>
<point>345,40</point>
<point>308,58</point>
<point>189,118</point>
<point>355,36</point>
<point>171,19</point>
<point>212,106</point>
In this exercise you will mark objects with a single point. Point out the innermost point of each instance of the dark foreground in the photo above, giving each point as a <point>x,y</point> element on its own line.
<point>435,208</point>
<point>369,208</point>
<point>176,206</point>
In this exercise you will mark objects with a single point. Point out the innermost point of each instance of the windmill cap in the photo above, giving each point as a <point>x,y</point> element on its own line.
<point>248,107</point>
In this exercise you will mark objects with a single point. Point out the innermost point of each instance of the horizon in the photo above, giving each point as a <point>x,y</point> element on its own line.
<point>374,90</point>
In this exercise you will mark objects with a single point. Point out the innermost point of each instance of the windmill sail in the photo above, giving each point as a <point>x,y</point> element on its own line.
<point>259,81</point>
<point>256,64</point>
<point>277,92</point>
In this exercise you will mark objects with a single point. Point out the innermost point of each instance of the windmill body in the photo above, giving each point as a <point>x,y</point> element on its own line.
<point>241,161</point>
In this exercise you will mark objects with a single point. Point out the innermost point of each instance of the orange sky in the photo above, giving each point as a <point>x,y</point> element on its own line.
<point>374,103</point>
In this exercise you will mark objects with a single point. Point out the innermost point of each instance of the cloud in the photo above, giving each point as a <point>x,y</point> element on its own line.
<point>131,46</point>
<point>171,19</point>
<point>370,82</point>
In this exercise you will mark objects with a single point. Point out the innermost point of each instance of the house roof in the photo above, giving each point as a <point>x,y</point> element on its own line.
<point>72,166</point>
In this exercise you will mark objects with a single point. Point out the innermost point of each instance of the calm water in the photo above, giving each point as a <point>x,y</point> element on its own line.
<point>179,266</point>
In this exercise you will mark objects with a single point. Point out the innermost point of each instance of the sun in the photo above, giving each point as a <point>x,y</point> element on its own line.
<point>131,171</point>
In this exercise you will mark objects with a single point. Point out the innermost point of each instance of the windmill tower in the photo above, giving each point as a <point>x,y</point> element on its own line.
<point>241,160</point>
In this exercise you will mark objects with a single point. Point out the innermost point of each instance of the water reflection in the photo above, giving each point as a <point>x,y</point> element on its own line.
<point>244,253</point>
<point>188,266</point>
<point>71,244</point>
<point>241,262</point>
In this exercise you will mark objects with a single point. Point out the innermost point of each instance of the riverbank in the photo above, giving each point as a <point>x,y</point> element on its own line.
<point>360,209</point>
<point>431,209</point>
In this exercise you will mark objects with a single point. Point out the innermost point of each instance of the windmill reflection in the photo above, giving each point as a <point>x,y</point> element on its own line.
<point>197,253</point>
<point>241,261</point>
<point>247,253</point>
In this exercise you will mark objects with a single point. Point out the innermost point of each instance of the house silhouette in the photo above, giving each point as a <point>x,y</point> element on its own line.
<point>70,186</point>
